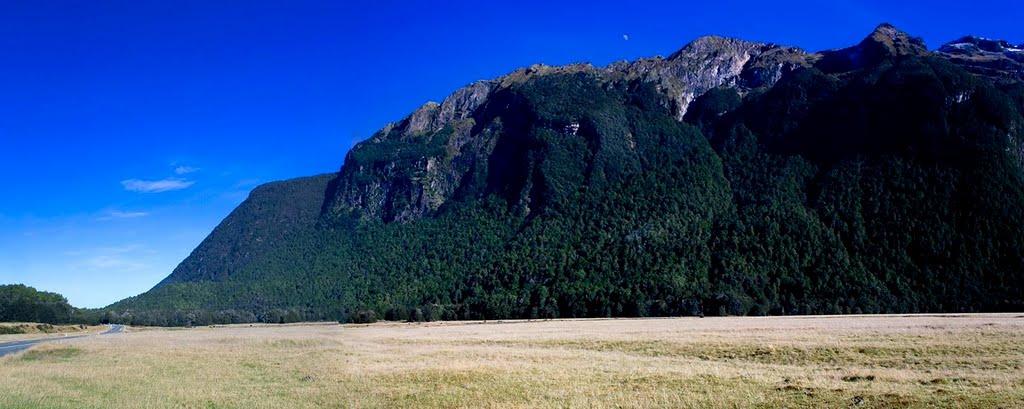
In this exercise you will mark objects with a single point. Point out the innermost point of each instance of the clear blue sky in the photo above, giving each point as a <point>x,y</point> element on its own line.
<point>129,129</point>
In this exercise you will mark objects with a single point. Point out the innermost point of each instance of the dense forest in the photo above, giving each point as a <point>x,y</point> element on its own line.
<point>886,186</point>
<point>19,303</point>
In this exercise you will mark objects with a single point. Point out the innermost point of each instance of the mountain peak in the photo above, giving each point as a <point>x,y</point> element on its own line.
<point>487,204</point>
<point>974,44</point>
<point>886,41</point>
<point>987,57</point>
<point>703,46</point>
<point>894,41</point>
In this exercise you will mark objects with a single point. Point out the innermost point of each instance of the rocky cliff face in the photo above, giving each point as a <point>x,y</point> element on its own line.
<point>410,169</point>
<point>384,179</point>
<point>875,178</point>
<point>710,62</point>
<point>997,59</point>
<point>885,42</point>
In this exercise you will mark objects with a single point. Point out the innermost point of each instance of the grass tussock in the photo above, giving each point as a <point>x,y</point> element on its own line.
<point>969,361</point>
<point>62,354</point>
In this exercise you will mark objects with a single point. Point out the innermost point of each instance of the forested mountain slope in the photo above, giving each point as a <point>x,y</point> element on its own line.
<point>730,178</point>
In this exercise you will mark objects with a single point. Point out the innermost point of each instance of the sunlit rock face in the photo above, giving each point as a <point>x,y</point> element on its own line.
<point>382,181</point>
<point>996,59</point>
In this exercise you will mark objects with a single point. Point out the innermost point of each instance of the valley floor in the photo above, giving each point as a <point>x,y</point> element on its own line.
<point>864,361</point>
<point>20,331</point>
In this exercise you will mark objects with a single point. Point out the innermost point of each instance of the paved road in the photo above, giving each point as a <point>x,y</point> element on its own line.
<point>18,346</point>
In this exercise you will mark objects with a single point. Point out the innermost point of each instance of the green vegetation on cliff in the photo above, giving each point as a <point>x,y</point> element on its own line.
<point>890,186</point>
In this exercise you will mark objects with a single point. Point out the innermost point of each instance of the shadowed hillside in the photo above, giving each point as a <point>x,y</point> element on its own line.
<point>730,178</point>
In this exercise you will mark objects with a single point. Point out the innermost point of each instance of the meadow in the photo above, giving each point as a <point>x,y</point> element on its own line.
<point>964,361</point>
<point>10,332</point>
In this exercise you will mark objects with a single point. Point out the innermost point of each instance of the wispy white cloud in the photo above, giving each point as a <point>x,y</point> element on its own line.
<point>117,214</point>
<point>184,170</point>
<point>109,250</point>
<point>155,186</point>
<point>248,183</point>
<point>625,37</point>
<point>125,248</point>
<point>111,262</point>
<point>125,258</point>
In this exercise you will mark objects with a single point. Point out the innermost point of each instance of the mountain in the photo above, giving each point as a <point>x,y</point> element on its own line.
<point>730,178</point>
<point>274,214</point>
<point>991,58</point>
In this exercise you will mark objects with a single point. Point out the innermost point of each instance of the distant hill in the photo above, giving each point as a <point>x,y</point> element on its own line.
<point>729,178</point>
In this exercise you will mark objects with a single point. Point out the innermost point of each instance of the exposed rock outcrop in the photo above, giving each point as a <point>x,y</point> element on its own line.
<point>885,42</point>
<point>997,59</point>
<point>710,62</point>
<point>409,169</point>
<point>383,179</point>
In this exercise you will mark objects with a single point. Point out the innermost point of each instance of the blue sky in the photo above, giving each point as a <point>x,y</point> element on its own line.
<point>129,129</point>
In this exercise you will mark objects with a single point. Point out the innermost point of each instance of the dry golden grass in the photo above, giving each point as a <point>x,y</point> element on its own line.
<point>964,361</point>
<point>33,330</point>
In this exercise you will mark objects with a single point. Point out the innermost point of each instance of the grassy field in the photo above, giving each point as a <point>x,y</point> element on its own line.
<point>963,361</point>
<point>17,331</point>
